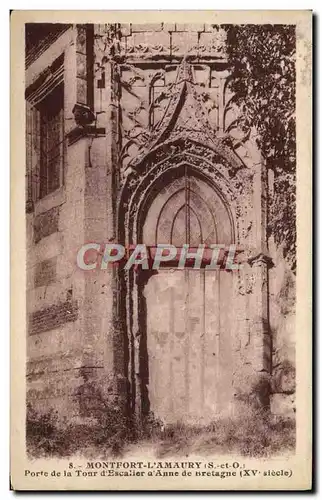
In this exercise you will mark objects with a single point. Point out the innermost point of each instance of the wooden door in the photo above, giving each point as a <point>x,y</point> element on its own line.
<point>188,337</point>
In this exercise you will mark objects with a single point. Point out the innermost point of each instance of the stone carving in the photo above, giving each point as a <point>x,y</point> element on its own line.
<point>185,116</point>
<point>106,41</point>
<point>155,110</point>
<point>166,158</point>
<point>214,42</point>
<point>246,283</point>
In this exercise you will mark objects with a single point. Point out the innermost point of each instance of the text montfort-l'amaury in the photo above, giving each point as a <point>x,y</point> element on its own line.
<point>127,465</point>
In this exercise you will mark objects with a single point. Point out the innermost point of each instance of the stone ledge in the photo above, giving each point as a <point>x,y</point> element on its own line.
<point>146,27</point>
<point>169,27</point>
<point>192,27</point>
<point>51,200</point>
<point>80,132</point>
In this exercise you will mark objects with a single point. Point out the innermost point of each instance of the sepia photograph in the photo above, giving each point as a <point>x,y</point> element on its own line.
<point>161,205</point>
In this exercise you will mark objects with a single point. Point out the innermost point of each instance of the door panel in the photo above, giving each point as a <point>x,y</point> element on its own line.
<point>187,344</point>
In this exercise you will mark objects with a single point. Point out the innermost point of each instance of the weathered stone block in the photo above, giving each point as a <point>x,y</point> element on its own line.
<point>46,224</point>
<point>146,27</point>
<point>169,27</point>
<point>45,272</point>
<point>183,43</point>
<point>190,27</point>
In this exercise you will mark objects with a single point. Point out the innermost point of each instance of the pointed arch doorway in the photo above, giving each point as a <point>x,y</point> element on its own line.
<point>185,353</point>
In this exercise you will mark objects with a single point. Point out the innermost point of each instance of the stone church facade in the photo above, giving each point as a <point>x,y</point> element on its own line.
<point>130,139</point>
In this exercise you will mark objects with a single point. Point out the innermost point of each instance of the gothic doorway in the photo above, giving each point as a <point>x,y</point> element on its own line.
<point>185,351</point>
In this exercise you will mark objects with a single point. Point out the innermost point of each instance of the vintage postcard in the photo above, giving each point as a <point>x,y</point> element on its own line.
<point>161,250</point>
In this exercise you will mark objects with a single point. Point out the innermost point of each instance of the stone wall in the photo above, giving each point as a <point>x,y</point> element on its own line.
<point>68,311</point>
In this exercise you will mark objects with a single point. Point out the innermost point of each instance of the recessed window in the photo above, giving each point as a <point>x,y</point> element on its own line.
<point>51,132</point>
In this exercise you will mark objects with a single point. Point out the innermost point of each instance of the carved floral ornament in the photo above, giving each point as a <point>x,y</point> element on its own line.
<point>184,118</point>
<point>204,161</point>
<point>109,47</point>
<point>184,134</point>
<point>110,42</point>
<point>199,96</point>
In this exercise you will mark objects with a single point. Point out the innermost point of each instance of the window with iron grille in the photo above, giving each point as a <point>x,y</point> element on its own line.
<point>51,117</point>
<point>45,148</point>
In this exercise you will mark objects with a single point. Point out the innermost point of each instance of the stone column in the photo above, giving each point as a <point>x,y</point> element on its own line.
<point>256,349</point>
<point>260,338</point>
<point>105,144</point>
